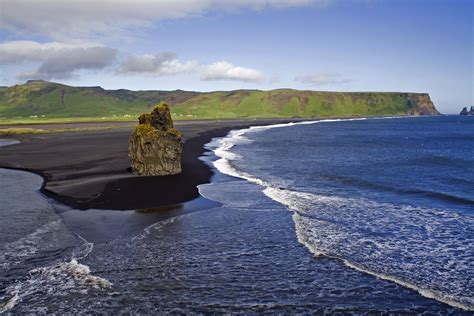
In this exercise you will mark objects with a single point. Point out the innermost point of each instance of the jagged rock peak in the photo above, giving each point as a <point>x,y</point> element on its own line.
<point>466,112</point>
<point>161,117</point>
<point>155,145</point>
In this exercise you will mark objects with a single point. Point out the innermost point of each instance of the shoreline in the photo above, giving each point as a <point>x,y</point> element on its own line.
<point>72,179</point>
<point>100,225</point>
<point>269,190</point>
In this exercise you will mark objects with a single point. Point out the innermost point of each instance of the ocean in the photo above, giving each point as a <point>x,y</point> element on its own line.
<point>331,216</point>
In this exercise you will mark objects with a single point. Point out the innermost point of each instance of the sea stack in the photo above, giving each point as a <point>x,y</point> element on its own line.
<point>466,112</point>
<point>155,145</point>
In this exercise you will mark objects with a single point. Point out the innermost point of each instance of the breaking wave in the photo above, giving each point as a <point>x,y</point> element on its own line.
<point>55,280</point>
<point>39,259</point>
<point>399,243</point>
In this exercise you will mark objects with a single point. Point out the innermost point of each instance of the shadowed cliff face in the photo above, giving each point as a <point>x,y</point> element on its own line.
<point>421,104</point>
<point>155,145</point>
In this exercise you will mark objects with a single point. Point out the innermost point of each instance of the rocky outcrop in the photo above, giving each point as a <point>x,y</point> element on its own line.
<point>420,104</point>
<point>155,145</point>
<point>466,112</point>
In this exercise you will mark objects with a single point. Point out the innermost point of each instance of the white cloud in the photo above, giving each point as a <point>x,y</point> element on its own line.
<point>167,63</point>
<point>161,64</point>
<point>85,18</point>
<point>223,70</point>
<point>56,60</point>
<point>320,79</point>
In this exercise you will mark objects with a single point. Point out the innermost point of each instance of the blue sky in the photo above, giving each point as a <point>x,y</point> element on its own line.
<point>204,45</point>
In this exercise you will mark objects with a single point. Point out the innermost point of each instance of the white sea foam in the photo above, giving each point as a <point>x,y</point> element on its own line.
<point>41,237</point>
<point>10,303</point>
<point>85,250</point>
<point>54,280</point>
<point>7,142</point>
<point>222,146</point>
<point>14,252</point>
<point>160,225</point>
<point>442,297</point>
<point>330,225</point>
<point>58,279</point>
<point>157,226</point>
<point>321,225</point>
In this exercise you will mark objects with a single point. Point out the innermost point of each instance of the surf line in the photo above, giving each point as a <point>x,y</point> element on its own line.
<point>222,149</point>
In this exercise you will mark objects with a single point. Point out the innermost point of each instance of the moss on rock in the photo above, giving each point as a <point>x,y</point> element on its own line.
<point>145,118</point>
<point>161,117</point>
<point>155,145</point>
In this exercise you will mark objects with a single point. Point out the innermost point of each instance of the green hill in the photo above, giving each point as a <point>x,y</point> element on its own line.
<point>47,100</point>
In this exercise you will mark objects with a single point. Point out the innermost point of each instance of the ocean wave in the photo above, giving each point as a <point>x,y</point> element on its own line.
<point>41,255</point>
<point>160,225</point>
<point>44,260</point>
<point>27,246</point>
<point>222,147</point>
<point>441,196</point>
<point>55,280</point>
<point>399,243</point>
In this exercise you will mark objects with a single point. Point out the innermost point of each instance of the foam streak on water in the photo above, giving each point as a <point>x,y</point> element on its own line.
<point>425,249</point>
<point>39,257</point>
<point>56,280</point>
<point>7,142</point>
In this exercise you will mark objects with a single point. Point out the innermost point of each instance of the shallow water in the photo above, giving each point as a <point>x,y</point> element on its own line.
<point>6,142</point>
<point>37,250</point>
<point>247,254</point>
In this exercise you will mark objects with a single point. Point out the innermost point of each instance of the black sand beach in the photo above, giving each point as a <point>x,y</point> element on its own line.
<point>89,169</point>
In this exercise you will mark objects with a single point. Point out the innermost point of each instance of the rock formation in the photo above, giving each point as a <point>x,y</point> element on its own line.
<point>420,104</point>
<point>155,145</point>
<point>466,112</point>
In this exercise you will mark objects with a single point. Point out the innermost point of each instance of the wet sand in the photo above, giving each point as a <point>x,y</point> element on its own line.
<point>89,170</point>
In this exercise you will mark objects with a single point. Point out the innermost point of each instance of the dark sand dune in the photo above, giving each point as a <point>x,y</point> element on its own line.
<point>90,169</point>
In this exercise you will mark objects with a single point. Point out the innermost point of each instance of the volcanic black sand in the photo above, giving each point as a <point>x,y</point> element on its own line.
<point>89,169</point>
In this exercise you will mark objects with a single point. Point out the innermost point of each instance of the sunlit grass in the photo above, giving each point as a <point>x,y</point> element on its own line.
<point>25,131</point>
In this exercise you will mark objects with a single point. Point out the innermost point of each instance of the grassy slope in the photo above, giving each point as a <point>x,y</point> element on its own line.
<point>41,101</point>
<point>53,100</point>
<point>291,103</point>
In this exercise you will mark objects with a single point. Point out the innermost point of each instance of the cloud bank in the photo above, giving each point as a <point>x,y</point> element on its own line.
<point>84,18</point>
<point>83,21</point>
<point>161,64</point>
<point>167,63</point>
<point>56,60</point>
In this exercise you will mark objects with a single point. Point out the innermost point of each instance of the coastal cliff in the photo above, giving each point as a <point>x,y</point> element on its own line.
<point>421,104</point>
<point>43,100</point>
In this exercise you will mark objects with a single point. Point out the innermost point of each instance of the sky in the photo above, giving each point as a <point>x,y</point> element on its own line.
<point>207,45</point>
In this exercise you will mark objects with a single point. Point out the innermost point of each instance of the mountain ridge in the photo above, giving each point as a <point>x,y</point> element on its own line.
<point>38,98</point>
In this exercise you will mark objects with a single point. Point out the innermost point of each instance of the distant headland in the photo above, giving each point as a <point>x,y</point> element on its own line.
<point>39,99</point>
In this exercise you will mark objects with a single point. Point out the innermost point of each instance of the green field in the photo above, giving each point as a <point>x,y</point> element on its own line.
<point>41,101</point>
